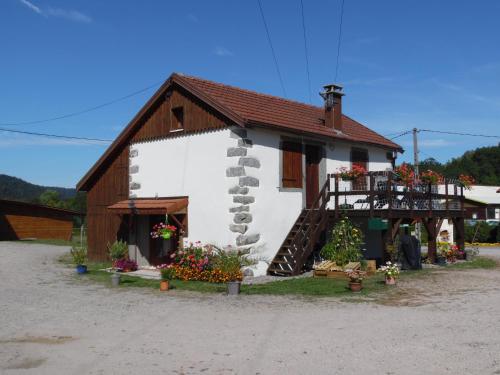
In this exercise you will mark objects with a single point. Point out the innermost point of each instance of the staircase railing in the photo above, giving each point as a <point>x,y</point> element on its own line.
<point>310,229</point>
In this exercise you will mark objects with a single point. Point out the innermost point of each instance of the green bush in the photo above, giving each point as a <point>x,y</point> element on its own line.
<point>485,232</point>
<point>167,273</point>
<point>118,250</point>
<point>345,243</point>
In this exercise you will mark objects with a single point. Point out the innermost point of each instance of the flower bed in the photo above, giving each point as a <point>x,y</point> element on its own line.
<point>197,262</point>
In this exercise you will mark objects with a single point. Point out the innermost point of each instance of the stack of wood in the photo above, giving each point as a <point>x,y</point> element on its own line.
<point>330,269</point>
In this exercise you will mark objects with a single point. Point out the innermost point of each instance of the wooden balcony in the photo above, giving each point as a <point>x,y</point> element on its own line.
<point>384,195</point>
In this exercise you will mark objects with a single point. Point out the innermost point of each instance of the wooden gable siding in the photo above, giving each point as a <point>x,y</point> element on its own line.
<point>112,185</point>
<point>159,120</point>
<point>102,226</point>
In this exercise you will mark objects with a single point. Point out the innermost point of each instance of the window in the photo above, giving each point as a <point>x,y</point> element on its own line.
<point>177,119</point>
<point>359,157</point>
<point>291,175</point>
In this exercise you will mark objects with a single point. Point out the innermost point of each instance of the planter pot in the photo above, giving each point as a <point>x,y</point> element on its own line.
<point>81,268</point>
<point>233,288</point>
<point>115,279</point>
<point>355,287</point>
<point>390,280</point>
<point>166,235</point>
<point>164,285</point>
<point>441,261</point>
<point>469,255</point>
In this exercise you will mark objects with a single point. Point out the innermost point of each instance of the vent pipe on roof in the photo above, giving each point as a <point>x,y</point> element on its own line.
<point>333,106</point>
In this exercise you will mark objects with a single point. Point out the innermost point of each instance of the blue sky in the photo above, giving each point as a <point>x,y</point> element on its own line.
<point>404,64</point>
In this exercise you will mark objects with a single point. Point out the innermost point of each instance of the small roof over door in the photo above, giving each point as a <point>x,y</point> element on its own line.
<point>158,206</point>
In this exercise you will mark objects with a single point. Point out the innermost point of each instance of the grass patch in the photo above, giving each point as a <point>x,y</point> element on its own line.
<point>309,286</point>
<point>321,287</point>
<point>478,262</point>
<point>302,286</point>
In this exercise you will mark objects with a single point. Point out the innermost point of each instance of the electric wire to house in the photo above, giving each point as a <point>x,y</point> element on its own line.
<point>339,40</point>
<point>83,111</point>
<point>272,48</point>
<point>306,50</point>
<point>67,137</point>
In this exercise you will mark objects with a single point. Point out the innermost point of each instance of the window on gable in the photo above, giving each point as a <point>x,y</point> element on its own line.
<point>291,164</point>
<point>177,118</point>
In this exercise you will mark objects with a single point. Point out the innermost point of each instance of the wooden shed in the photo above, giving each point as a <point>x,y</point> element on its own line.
<point>21,220</point>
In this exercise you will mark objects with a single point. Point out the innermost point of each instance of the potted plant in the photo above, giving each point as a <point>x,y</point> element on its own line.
<point>355,279</point>
<point>126,265</point>
<point>466,181</point>
<point>405,173</point>
<point>163,230</point>
<point>229,262</point>
<point>350,175</point>
<point>117,251</point>
<point>167,274</point>
<point>345,243</point>
<point>79,255</point>
<point>431,177</point>
<point>391,272</point>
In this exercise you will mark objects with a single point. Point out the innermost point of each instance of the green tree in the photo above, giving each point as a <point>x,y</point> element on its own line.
<point>51,198</point>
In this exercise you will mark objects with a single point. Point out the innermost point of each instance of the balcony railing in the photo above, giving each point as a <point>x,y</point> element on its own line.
<point>385,191</point>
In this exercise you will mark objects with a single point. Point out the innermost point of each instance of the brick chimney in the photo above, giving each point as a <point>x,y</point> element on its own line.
<point>333,106</point>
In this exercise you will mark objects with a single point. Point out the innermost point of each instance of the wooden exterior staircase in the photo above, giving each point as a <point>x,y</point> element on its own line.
<point>303,237</point>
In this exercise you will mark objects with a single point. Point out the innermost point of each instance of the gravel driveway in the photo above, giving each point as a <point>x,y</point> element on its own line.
<point>51,323</point>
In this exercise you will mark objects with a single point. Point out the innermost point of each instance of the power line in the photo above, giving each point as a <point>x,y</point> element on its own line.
<point>404,133</point>
<point>56,136</point>
<point>272,48</point>
<point>306,50</point>
<point>340,38</point>
<point>458,133</point>
<point>61,117</point>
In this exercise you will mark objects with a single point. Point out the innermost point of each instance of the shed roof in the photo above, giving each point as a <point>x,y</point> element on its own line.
<point>150,206</point>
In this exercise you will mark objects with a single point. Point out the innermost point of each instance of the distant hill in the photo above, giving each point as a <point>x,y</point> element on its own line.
<point>16,189</point>
<point>483,164</point>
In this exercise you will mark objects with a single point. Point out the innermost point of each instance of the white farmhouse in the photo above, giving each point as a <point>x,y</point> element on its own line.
<point>230,166</point>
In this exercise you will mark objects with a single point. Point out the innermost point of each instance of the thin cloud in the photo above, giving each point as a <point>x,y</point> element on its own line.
<point>430,143</point>
<point>192,17</point>
<point>467,94</point>
<point>222,51</point>
<point>71,15</point>
<point>31,6</point>
<point>369,82</point>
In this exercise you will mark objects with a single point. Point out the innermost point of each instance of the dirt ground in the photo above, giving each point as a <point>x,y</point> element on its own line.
<point>52,324</point>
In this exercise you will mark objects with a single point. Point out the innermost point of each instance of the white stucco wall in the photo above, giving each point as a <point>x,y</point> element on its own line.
<point>195,166</point>
<point>192,166</point>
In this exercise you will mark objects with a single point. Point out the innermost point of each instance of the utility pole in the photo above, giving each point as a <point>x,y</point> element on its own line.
<point>415,167</point>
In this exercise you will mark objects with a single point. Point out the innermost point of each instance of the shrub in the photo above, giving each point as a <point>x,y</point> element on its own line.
<point>168,273</point>
<point>482,231</point>
<point>345,243</point>
<point>79,255</point>
<point>125,265</point>
<point>118,250</point>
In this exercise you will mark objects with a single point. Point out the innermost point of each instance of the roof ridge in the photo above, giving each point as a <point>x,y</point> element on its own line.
<point>224,85</point>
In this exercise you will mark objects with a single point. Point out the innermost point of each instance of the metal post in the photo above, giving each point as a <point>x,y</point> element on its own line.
<point>415,167</point>
<point>81,236</point>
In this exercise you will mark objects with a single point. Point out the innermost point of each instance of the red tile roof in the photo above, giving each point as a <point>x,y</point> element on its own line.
<point>257,108</point>
<point>245,108</point>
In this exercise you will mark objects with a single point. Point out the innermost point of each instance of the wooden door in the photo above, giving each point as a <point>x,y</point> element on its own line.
<point>313,158</point>
<point>159,248</point>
